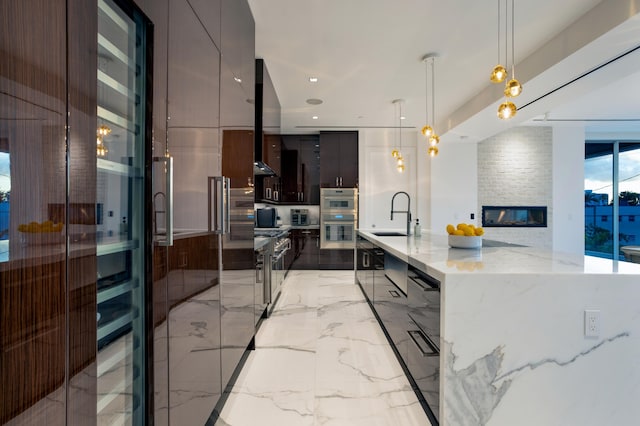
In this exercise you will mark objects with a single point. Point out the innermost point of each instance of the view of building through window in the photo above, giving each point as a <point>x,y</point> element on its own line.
<point>5,193</point>
<point>600,182</point>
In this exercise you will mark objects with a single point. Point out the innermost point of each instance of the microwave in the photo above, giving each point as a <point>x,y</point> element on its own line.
<point>338,199</point>
<point>299,217</point>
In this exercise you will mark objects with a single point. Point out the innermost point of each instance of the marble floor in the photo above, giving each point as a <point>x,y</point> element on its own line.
<point>322,359</point>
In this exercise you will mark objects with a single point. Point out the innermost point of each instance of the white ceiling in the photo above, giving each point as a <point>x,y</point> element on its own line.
<point>367,53</point>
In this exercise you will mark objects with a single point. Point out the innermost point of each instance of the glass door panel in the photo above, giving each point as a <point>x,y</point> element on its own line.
<point>120,214</point>
<point>629,196</point>
<point>598,195</point>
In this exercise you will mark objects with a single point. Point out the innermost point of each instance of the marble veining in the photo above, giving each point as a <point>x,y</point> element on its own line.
<point>474,392</point>
<point>322,359</point>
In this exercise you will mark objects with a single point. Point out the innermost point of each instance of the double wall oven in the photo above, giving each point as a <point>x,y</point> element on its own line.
<point>338,218</point>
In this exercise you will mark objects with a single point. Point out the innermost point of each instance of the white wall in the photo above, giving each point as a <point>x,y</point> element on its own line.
<point>568,189</point>
<point>379,179</point>
<point>454,186</point>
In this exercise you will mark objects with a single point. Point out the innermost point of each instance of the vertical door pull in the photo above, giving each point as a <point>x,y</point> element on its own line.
<point>219,206</point>
<point>168,199</point>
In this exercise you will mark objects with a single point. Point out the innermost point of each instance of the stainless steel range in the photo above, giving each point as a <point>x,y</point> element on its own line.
<point>280,244</point>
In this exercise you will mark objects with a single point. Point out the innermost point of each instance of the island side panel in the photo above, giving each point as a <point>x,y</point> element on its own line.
<point>514,350</point>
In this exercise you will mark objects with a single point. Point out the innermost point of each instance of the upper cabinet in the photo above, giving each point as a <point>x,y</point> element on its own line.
<point>194,62</point>
<point>237,42</point>
<point>208,12</point>
<point>339,154</point>
<point>300,155</point>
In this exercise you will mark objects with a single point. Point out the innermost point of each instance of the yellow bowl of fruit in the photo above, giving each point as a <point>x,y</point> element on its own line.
<point>465,235</point>
<point>37,233</point>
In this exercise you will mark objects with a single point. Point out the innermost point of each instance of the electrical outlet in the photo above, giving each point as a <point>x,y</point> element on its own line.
<point>591,323</point>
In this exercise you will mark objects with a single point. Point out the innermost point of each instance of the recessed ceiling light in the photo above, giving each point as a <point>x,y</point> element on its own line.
<point>238,80</point>
<point>315,117</point>
<point>403,117</point>
<point>314,101</point>
<point>313,79</point>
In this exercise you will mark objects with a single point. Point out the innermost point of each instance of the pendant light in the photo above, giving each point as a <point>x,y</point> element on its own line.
<point>499,73</point>
<point>428,130</point>
<point>102,131</point>
<point>399,159</point>
<point>513,88</point>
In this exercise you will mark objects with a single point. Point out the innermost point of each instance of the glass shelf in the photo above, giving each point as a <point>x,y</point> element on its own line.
<point>116,247</point>
<point>113,15</point>
<point>118,168</point>
<point>110,327</point>
<point>116,290</point>
<point>116,119</point>
<point>111,82</point>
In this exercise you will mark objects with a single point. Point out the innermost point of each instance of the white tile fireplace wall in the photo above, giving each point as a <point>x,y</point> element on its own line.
<point>515,169</point>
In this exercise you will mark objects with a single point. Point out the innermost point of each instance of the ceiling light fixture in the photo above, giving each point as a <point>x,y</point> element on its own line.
<point>513,88</point>
<point>499,73</point>
<point>428,130</point>
<point>397,153</point>
<point>313,79</point>
<point>314,101</point>
<point>315,117</point>
<point>102,131</point>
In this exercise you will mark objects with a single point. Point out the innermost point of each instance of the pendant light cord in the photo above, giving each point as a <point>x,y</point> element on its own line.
<point>499,1</point>
<point>433,92</point>
<point>513,55</point>
<point>400,123</point>
<point>426,85</point>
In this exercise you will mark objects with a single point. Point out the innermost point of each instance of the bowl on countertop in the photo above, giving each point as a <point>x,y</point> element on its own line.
<point>459,241</point>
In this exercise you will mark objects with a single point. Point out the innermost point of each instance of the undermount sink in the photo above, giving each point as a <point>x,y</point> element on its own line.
<point>389,234</point>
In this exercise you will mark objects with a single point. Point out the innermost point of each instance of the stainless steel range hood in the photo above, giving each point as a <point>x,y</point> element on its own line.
<point>260,168</point>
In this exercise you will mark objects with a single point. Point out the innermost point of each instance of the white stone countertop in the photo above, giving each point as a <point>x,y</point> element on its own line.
<point>431,254</point>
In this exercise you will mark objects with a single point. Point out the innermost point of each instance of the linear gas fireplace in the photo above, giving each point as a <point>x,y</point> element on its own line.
<point>514,216</point>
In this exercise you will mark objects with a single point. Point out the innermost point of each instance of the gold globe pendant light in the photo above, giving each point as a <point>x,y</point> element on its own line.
<point>428,130</point>
<point>507,110</point>
<point>513,88</point>
<point>102,131</point>
<point>399,159</point>
<point>499,72</point>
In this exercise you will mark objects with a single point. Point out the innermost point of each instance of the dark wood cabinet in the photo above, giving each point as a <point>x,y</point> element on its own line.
<point>339,159</point>
<point>300,164</point>
<point>306,248</point>
<point>237,157</point>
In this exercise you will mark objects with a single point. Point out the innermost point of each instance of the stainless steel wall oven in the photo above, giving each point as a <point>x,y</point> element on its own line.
<point>338,218</point>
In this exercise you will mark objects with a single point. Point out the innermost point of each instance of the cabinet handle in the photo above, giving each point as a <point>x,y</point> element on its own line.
<point>219,205</point>
<point>306,232</point>
<point>341,181</point>
<point>417,334</point>
<point>168,199</point>
<point>365,259</point>
<point>424,285</point>
<point>337,180</point>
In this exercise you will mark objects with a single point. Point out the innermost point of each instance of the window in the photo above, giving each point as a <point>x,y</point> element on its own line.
<point>611,187</point>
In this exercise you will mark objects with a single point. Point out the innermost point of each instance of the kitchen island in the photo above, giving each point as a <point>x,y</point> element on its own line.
<point>513,344</point>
